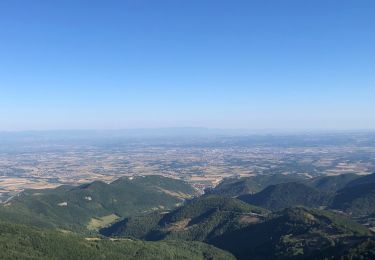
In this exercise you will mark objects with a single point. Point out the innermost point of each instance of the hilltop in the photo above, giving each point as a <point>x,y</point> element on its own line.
<point>332,183</point>
<point>249,185</point>
<point>235,187</point>
<point>96,204</point>
<point>284,195</point>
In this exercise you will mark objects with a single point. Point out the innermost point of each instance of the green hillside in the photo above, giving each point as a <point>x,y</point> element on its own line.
<point>357,200</point>
<point>200,219</point>
<point>284,195</point>
<point>165,211</point>
<point>95,204</point>
<point>367,179</point>
<point>332,183</point>
<point>239,186</point>
<point>236,187</point>
<point>295,232</point>
<point>231,225</point>
<point>22,242</point>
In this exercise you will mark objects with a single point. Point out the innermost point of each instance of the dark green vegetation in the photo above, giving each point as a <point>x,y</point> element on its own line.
<point>252,218</point>
<point>284,195</point>
<point>239,186</point>
<point>356,200</point>
<point>234,187</point>
<point>367,179</point>
<point>247,232</point>
<point>94,204</point>
<point>350,193</point>
<point>201,219</point>
<point>332,183</point>
<point>22,242</point>
<point>295,232</point>
<point>363,250</point>
<point>251,233</point>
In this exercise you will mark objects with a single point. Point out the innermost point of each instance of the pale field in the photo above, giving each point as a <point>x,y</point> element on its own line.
<point>179,195</point>
<point>201,166</point>
<point>10,184</point>
<point>97,223</point>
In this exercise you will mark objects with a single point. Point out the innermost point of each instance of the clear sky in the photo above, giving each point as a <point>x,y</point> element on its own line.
<point>186,63</point>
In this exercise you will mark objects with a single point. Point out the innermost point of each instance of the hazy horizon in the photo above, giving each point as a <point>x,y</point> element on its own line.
<point>188,130</point>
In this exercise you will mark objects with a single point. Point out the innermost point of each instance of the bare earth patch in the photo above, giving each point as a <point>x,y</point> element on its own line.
<point>179,225</point>
<point>179,195</point>
<point>247,219</point>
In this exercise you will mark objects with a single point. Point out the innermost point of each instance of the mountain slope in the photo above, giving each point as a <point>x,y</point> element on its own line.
<point>356,200</point>
<point>367,179</point>
<point>284,195</point>
<point>294,232</point>
<point>239,186</point>
<point>95,204</point>
<point>22,242</point>
<point>236,187</point>
<point>200,219</point>
<point>291,233</point>
<point>332,183</point>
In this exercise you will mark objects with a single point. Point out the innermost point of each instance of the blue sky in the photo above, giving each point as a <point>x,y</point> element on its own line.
<point>187,63</point>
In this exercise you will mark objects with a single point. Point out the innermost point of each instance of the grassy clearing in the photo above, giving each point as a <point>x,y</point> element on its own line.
<point>97,223</point>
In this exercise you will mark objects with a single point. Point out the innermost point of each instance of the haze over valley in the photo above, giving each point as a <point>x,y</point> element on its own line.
<point>50,159</point>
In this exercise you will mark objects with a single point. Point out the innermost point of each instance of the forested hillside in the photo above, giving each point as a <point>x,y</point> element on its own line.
<point>22,242</point>
<point>200,219</point>
<point>94,205</point>
<point>284,195</point>
<point>266,224</point>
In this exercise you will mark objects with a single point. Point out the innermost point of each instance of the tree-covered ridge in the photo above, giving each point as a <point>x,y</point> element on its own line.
<point>199,219</point>
<point>294,232</point>
<point>74,207</point>
<point>230,225</point>
<point>350,193</point>
<point>358,200</point>
<point>332,183</point>
<point>235,187</point>
<point>249,185</point>
<point>366,179</point>
<point>239,186</point>
<point>22,242</point>
<point>147,207</point>
<point>284,195</point>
